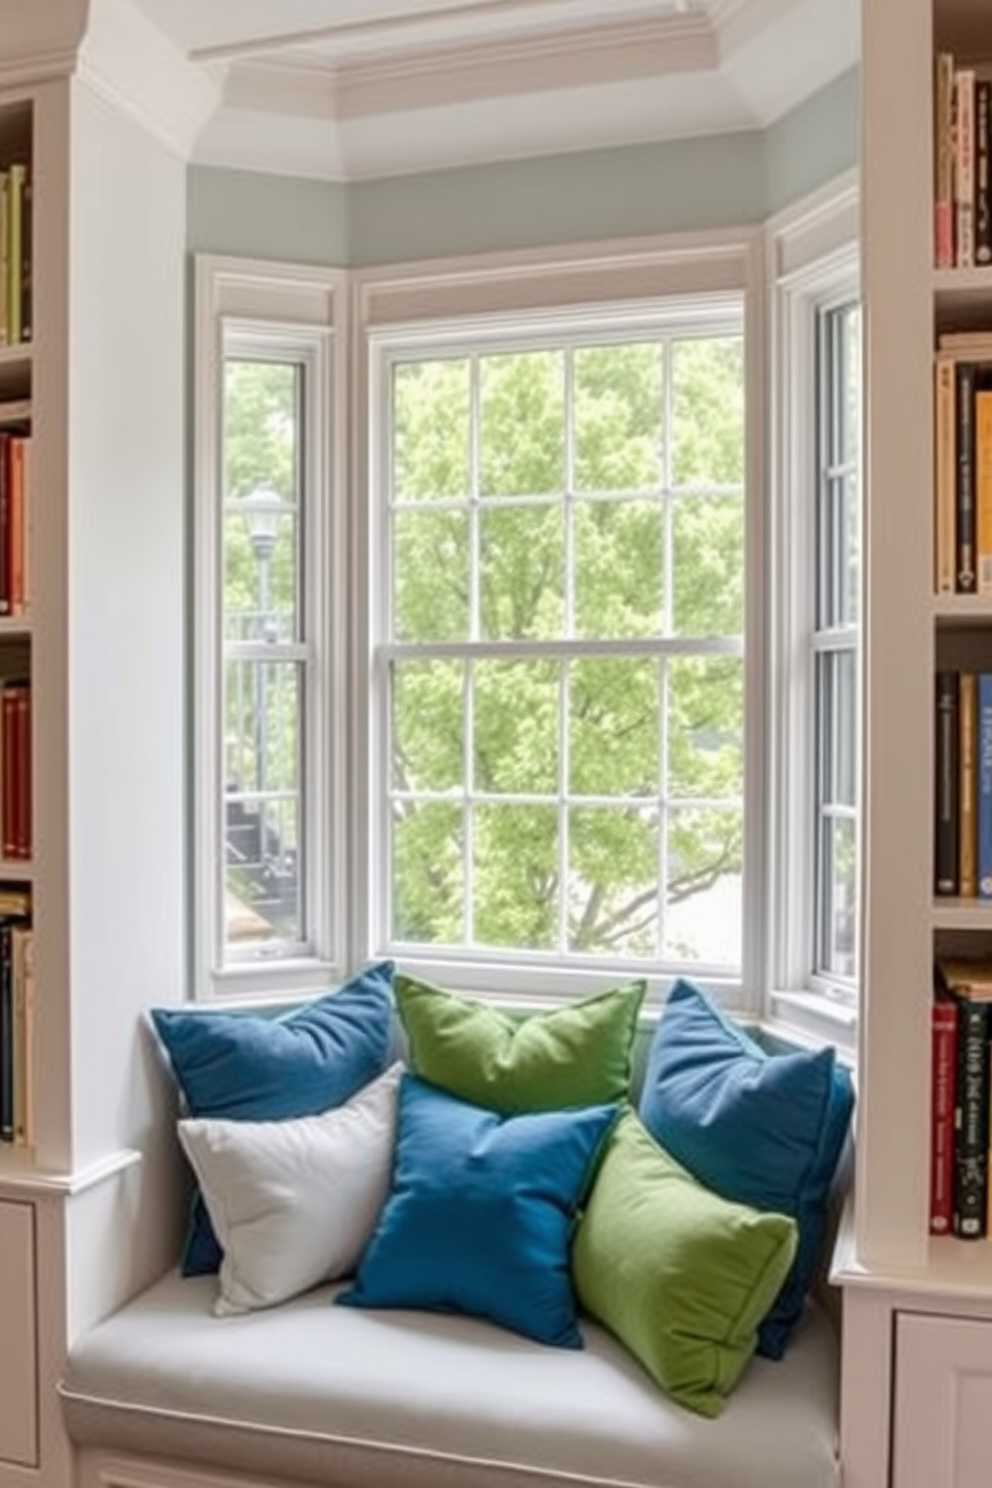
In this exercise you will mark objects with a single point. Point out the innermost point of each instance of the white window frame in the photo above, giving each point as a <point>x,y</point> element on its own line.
<point>813,267</point>
<point>298,315</point>
<point>421,303</point>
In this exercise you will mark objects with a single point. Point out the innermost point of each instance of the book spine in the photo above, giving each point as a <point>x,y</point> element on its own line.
<point>964,495</point>
<point>946,784</point>
<point>943,1050</point>
<point>18,588</point>
<point>945,477</point>
<point>964,167</point>
<point>983,483</point>
<point>6,1037</point>
<point>4,255</point>
<point>23,986</point>
<point>967,783</point>
<point>7,801</point>
<point>27,259</point>
<point>983,809</point>
<point>15,249</point>
<point>943,154</point>
<point>971,1122</point>
<point>983,200</point>
<point>26,773</point>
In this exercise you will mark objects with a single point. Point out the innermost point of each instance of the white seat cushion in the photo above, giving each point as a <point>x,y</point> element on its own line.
<point>343,1396</point>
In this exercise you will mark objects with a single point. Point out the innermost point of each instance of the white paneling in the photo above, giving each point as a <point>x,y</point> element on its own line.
<point>19,1395</point>
<point>943,1402</point>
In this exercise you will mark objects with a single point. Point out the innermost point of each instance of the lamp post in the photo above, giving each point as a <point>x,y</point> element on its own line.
<point>262,508</point>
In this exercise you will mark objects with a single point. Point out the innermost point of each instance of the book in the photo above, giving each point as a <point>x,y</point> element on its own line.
<point>983,802</point>
<point>22,952</point>
<point>964,489</point>
<point>946,806</point>
<point>983,481</point>
<point>983,198</point>
<point>967,778</point>
<point>945,475</point>
<point>943,155</point>
<point>971,1121</point>
<point>943,1080</point>
<point>15,248</point>
<point>964,167</point>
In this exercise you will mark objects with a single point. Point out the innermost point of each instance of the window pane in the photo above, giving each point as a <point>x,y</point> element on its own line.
<point>515,877</point>
<point>838,930</point>
<point>705,727</point>
<point>262,402</point>
<point>708,412</point>
<point>430,575</point>
<point>262,799</point>
<point>521,424</point>
<point>521,572</point>
<point>618,568</point>
<point>613,881</point>
<point>613,728</point>
<point>708,565</point>
<point>515,724</point>
<point>704,886</point>
<point>431,430</point>
<point>837,701</point>
<point>428,874</point>
<point>618,428</point>
<point>428,725</point>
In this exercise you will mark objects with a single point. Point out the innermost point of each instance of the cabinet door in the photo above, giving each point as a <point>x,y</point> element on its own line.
<point>18,1347</point>
<point>943,1402</point>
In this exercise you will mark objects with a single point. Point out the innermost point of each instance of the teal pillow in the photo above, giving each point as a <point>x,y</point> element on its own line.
<point>577,1055</point>
<point>245,1067</point>
<point>761,1129</point>
<point>480,1214</point>
<point>679,1275</point>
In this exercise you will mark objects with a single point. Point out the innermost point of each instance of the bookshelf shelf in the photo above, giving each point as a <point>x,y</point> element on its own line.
<point>962,291</point>
<point>962,914</point>
<point>962,609</point>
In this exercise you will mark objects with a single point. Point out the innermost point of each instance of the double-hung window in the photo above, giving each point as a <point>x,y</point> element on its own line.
<point>479,623</point>
<point>558,549</point>
<point>816,568</point>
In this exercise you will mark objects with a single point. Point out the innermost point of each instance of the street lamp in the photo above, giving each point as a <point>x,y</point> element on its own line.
<point>262,508</point>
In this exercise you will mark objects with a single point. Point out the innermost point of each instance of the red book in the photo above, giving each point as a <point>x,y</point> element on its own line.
<point>16,524</point>
<point>8,772</point>
<point>943,1050</point>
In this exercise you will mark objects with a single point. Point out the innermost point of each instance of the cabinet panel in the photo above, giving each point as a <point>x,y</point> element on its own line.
<point>19,1395</point>
<point>943,1402</point>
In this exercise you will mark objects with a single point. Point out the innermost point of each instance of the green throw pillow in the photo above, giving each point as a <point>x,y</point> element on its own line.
<point>682,1277</point>
<point>577,1055</point>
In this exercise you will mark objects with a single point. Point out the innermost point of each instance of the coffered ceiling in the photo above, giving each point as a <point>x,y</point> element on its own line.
<point>348,89</point>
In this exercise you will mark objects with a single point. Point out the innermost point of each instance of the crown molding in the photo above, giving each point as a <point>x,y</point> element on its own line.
<point>130,63</point>
<point>40,41</point>
<point>504,68</point>
<point>590,55</point>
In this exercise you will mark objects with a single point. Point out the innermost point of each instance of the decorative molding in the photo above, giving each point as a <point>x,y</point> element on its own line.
<point>128,60</point>
<point>40,41</point>
<point>29,1181</point>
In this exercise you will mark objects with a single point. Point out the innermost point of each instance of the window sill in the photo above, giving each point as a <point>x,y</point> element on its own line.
<point>813,1018</point>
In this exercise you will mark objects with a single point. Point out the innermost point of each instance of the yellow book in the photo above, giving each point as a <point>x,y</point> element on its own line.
<point>967,785</point>
<point>15,249</point>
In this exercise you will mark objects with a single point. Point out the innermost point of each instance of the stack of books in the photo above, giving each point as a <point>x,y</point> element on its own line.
<point>15,254</point>
<point>963,785</point>
<point>962,217</point>
<point>963,463</point>
<point>15,770</point>
<point>960,1098</point>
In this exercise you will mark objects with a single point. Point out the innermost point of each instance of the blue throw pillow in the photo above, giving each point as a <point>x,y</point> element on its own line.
<point>480,1215</point>
<point>760,1129</point>
<point>250,1068</point>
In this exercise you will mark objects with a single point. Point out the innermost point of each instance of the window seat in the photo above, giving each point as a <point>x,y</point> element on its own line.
<point>311,1393</point>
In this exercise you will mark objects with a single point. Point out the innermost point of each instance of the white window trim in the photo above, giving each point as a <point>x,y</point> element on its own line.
<point>812,266</point>
<point>405,302</point>
<point>303,311</point>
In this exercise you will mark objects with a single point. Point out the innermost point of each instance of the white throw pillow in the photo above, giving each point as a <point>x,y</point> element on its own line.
<point>294,1202</point>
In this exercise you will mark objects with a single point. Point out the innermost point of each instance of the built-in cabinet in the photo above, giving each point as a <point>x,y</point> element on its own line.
<point>104,113</point>
<point>917,1346</point>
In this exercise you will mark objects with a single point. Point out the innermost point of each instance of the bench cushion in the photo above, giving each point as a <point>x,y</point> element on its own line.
<point>363,1399</point>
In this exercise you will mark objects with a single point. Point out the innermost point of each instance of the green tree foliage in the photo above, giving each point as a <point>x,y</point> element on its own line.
<point>601,895</point>
<point>480,457</point>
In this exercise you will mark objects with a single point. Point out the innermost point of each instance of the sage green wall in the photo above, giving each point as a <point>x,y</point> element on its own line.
<point>680,185</point>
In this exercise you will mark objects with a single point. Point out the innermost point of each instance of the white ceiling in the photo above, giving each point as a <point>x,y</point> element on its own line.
<point>350,89</point>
